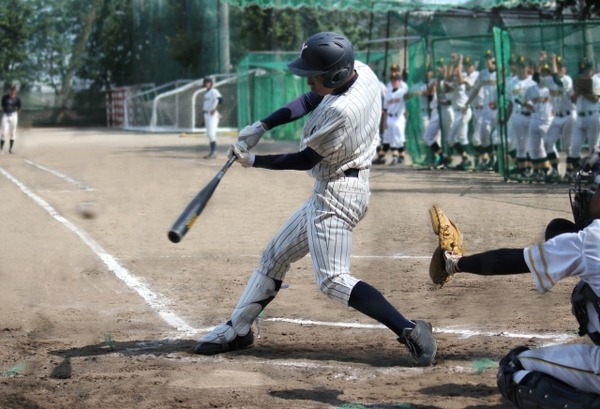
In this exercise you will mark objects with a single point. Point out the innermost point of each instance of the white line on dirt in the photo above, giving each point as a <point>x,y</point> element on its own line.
<point>463,332</point>
<point>159,303</point>
<point>155,301</point>
<point>66,178</point>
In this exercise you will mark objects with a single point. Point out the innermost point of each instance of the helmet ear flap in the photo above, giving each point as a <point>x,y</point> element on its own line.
<point>333,79</point>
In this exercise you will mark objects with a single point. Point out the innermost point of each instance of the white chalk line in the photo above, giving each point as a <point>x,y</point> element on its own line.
<point>159,303</point>
<point>258,256</point>
<point>155,301</point>
<point>66,178</point>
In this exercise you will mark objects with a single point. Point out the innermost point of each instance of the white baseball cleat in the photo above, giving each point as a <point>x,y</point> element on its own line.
<point>223,339</point>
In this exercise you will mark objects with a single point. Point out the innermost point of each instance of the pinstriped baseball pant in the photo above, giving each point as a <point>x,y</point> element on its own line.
<point>322,227</point>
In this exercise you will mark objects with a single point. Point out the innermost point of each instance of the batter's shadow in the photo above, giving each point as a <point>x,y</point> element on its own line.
<point>130,348</point>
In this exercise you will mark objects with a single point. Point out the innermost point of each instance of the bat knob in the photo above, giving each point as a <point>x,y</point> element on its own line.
<point>174,237</point>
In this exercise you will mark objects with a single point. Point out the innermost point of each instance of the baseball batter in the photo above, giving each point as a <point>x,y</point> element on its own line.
<point>212,101</point>
<point>562,376</point>
<point>338,142</point>
<point>11,105</point>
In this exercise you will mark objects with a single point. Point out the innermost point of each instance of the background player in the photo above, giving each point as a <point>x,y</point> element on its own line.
<point>11,105</point>
<point>564,375</point>
<point>212,101</point>
<point>338,142</point>
<point>586,97</point>
<point>484,97</point>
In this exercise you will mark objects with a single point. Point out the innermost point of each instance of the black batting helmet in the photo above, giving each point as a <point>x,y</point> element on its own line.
<point>328,54</point>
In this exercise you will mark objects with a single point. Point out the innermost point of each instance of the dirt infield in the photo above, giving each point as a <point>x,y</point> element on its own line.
<point>105,311</point>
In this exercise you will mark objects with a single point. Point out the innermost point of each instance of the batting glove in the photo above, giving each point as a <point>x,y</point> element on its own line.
<point>240,151</point>
<point>251,134</point>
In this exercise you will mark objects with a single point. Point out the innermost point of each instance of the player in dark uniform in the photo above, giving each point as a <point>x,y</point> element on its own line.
<point>11,105</point>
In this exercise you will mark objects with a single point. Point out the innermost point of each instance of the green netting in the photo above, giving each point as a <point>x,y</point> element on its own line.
<point>572,41</point>
<point>265,84</point>
<point>387,5</point>
<point>417,74</point>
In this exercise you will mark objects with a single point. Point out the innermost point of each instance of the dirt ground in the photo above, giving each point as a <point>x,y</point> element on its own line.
<point>105,311</point>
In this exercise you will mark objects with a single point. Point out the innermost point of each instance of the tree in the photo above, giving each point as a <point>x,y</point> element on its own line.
<point>14,33</point>
<point>581,9</point>
<point>108,59</point>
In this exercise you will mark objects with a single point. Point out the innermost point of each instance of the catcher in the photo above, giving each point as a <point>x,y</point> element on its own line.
<point>558,376</point>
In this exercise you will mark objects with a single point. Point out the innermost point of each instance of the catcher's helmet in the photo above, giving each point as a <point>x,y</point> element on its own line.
<point>328,54</point>
<point>586,183</point>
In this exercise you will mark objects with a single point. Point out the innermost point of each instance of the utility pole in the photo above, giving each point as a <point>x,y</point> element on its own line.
<point>224,53</point>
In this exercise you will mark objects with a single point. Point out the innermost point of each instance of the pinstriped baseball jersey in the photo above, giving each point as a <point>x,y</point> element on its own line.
<point>344,129</point>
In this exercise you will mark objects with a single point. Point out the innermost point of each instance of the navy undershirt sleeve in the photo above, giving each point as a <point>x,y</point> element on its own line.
<point>293,110</point>
<point>495,262</point>
<point>303,160</point>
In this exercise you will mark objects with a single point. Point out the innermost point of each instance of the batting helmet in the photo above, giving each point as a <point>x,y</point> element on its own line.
<point>328,54</point>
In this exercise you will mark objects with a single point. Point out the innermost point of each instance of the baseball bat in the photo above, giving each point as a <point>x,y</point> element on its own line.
<point>185,222</point>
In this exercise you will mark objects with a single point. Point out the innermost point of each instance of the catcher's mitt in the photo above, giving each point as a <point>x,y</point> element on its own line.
<point>450,239</point>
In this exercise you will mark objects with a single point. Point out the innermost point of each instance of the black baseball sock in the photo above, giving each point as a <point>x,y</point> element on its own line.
<point>1,144</point>
<point>12,142</point>
<point>371,302</point>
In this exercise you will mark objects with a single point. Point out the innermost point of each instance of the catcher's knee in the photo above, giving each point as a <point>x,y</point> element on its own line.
<point>559,226</point>
<point>538,390</point>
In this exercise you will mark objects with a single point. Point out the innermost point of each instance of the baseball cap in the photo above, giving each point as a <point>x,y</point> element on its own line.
<point>560,62</point>
<point>488,54</point>
<point>467,61</point>
<point>440,62</point>
<point>545,67</point>
<point>585,64</point>
<point>521,61</point>
<point>395,76</point>
<point>395,68</point>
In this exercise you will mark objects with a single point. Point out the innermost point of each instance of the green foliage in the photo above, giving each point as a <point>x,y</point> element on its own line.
<point>14,33</point>
<point>108,59</point>
<point>582,9</point>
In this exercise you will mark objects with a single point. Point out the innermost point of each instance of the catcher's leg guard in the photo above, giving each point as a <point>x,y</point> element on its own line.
<point>420,343</point>
<point>237,333</point>
<point>538,390</point>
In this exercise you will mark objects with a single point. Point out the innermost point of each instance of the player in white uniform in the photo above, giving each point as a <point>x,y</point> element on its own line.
<point>460,84</point>
<point>561,376</point>
<point>587,125</point>
<point>394,111</point>
<point>562,125</point>
<point>212,101</point>
<point>430,119</point>
<point>483,98</point>
<point>338,142</point>
<point>538,101</point>
<point>446,112</point>
<point>520,115</point>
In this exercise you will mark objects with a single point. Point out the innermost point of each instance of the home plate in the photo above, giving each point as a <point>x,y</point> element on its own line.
<point>223,379</point>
